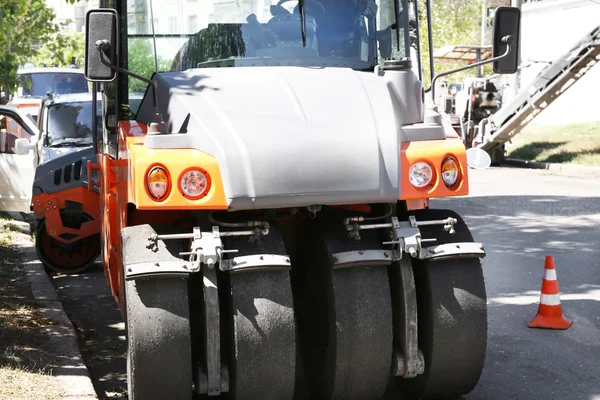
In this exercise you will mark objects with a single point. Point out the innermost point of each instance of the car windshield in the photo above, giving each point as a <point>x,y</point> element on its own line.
<point>71,123</point>
<point>356,34</point>
<point>38,84</point>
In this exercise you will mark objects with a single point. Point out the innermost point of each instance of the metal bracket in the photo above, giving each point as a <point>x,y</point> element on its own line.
<point>365,257</point>
<point>406,236</point>
<point>256,262</point>
<point>408,361</point>
<point>207,249</point>
<point>212,332</point>
<point>454,250</point>
<point>156,269</point>
<point>202,386</point>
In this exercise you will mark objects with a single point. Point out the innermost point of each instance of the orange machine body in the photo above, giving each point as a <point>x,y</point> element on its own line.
<point>47,206</point>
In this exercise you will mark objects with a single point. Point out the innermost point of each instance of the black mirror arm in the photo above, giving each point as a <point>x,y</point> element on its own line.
<point>103,46</point>
<point>508,40</point>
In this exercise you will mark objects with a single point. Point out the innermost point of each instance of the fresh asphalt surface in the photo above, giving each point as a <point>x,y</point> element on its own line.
<point>521,216</point>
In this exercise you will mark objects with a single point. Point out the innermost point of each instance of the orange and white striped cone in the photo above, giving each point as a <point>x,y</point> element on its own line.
<point>549,315</point>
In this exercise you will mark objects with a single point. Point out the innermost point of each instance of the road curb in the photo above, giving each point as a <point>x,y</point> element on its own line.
<point>571,168</point>
<point>72,373</point>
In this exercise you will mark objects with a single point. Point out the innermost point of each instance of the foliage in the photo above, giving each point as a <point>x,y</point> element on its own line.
<point>61,49</point>
<point>23,25</point>
<point>216,41</point>
<point>454,22</point>
<point>141,62</point>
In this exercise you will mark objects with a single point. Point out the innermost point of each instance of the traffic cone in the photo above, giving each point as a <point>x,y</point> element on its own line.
<point>549,315</point>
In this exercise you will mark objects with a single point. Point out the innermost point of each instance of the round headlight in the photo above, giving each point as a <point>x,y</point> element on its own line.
<point>194,183</point>
<point>158,183</point>
<point>450,172</point>
<point>420,174</point>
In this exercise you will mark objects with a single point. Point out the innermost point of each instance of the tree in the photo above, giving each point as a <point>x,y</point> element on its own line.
<point>455,22</point>
<point>141,62</point>
<point>23,24</point>
<point>61,49</point>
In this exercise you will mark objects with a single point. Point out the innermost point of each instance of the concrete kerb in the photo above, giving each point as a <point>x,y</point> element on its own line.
<point>72,373</point>
<point>565,168</point>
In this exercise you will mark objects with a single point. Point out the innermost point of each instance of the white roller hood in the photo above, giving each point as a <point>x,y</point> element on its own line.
<point>286,136</point>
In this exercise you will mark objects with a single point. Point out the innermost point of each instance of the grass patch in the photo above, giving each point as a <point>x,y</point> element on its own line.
<point>26,359</point>
<point>563,144</point>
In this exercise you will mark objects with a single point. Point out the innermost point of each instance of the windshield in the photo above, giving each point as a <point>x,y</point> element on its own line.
<point>38,84</point>
<point>72,123</point>
<point>356,34</point>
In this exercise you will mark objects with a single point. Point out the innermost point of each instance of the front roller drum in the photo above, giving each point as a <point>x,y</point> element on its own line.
<point>159,362</point>
<point>157,322</point>
<point>452,317</point>
<point>345,316</point>
<point>264,335</point>
<point>262,324</point>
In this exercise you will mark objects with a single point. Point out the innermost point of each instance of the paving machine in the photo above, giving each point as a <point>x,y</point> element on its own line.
<point>480,98</point>
<point>266,228</point>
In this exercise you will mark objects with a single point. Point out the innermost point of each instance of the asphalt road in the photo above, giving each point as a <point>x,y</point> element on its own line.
<point>521,216</point>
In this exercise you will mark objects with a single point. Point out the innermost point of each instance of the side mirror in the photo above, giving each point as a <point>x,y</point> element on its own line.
<point>23,146</point>
<point>507,22</point>
<point>100,27</point>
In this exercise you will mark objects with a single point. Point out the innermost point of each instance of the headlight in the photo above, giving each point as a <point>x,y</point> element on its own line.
<point>158,183</point>
<point>450,172</point>
<point>194,183</point>
<point>420,174</point>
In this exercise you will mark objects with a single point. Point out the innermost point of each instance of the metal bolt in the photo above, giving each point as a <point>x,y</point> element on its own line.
<point>49,202</point>
<point>128,269</point>
<point>156,264</point>
<point>262,257</point>
<point>412,251</point>
<point>287,260</point>
<point>47,208</point>
<point>54,207</point>
<point>335,258</point>
<point>361,252</point>
<point>386,255</point>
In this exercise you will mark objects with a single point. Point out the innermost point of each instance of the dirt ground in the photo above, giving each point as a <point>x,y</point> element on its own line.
<point>26,358</point>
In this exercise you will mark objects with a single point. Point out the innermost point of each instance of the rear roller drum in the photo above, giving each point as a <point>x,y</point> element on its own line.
<point>452,314</point>
<point>159,362</point>
<point>346,319</point>
<point>66,258</point>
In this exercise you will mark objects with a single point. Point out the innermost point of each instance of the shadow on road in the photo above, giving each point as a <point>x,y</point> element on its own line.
<point>101,331</point>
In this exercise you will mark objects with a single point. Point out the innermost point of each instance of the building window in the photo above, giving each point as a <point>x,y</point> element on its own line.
<point>172,24</point>
<point>192,24</point>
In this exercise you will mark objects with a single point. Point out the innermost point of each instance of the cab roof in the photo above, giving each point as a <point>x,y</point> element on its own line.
<point>71,98</point>
<point>42,70</point>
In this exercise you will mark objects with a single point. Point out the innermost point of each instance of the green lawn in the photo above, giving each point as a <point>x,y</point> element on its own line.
<point>564,144</point>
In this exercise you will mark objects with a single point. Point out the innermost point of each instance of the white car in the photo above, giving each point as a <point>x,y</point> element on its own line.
<point>63,127</point>
<point>16,170</point>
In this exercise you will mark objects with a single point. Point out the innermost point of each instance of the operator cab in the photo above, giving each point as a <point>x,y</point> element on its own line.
<point>355,34</point>
<point>65,125</point>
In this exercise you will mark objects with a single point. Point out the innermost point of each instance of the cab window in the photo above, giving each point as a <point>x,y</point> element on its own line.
<point>10,131</point>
